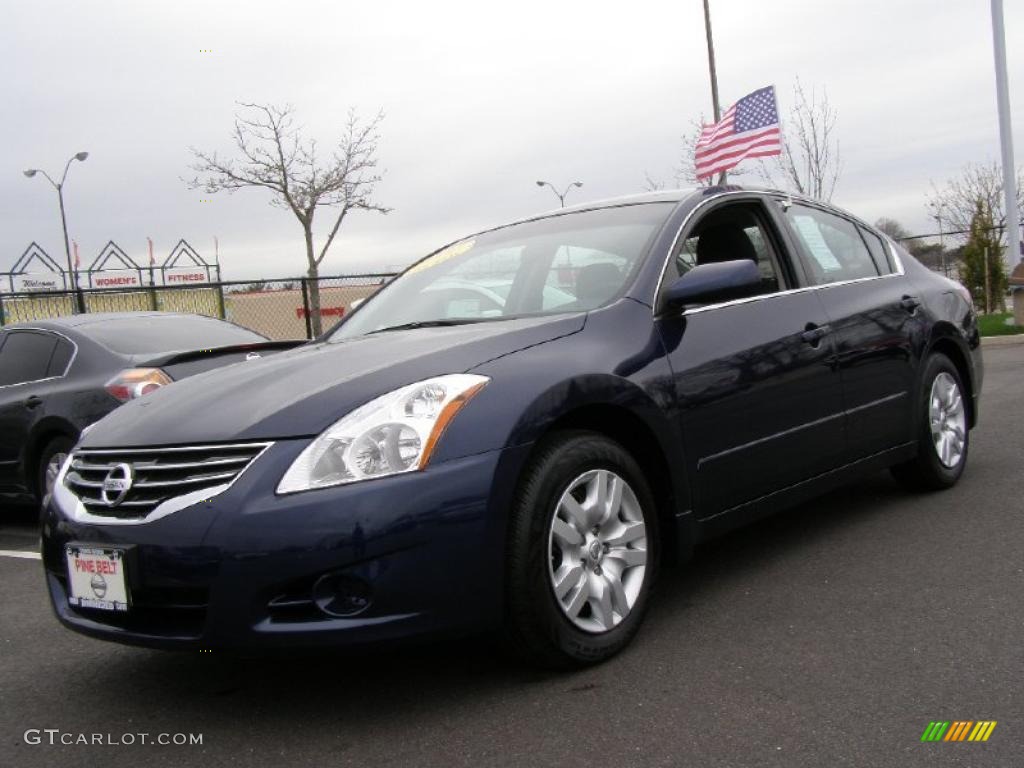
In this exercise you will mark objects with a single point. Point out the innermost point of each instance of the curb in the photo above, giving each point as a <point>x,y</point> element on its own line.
<point>1002,341</point>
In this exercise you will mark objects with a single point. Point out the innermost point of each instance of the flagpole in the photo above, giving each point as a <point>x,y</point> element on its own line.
<point>713,73</point>
<point>1006,137</point>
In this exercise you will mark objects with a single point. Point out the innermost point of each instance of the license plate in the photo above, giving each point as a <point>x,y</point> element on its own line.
<point>96,578</point>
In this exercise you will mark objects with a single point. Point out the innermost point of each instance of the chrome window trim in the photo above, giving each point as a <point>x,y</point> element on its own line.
<point>67,368</point>
<point>900,271</point>
<point>71,507</point>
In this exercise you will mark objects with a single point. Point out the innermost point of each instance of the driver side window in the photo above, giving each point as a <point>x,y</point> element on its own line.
<point>730,232</point>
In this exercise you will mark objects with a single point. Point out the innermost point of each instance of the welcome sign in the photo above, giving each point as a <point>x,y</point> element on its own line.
<point>32,283</point>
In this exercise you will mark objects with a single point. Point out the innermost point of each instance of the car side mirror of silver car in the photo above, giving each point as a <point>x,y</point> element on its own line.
<point>718,281</point>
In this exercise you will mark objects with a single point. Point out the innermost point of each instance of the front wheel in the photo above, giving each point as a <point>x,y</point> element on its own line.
<point>583,551</point>
<point>50,462</point>
<point>943,437</point>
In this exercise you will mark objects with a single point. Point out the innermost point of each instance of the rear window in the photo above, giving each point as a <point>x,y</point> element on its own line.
<point>878,251</point>
<point>152,335</point>
<point>60,358</point>
<point>835,248</point>
<point>25,356</point>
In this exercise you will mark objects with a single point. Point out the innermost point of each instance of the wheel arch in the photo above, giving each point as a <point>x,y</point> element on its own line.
<point>626,426</point>
<point>946,340</point>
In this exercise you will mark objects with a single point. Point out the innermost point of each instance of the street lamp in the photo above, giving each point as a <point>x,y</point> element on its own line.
<point>80,157</point>
<point>560,195</point>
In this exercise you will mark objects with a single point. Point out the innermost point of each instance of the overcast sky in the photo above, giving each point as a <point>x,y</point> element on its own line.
<point>481,99</point>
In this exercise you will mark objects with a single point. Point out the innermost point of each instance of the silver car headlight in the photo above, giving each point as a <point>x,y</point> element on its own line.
<point>394,433</point>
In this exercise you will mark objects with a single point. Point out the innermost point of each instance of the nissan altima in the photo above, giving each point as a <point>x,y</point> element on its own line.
<point>661,369</point>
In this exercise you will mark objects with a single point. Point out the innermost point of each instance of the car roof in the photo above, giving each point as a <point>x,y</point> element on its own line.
<point>660,196</point>
<point>66,322</point>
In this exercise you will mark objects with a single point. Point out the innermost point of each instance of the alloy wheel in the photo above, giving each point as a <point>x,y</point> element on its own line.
<point>948,420</point>
<point>597,550</point>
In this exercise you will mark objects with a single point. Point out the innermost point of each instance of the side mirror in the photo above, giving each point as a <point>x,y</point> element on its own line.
<point>719,281</point>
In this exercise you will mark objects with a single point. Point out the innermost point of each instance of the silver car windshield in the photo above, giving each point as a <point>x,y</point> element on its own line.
<point>570,262</point>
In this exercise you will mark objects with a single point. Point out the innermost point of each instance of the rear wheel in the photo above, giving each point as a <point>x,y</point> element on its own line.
<point>583,551</point>
<point>943,437</point>
<point>50,461</point>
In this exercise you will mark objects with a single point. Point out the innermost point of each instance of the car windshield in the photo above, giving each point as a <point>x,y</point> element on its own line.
<point>149,334</point>
<point>566,263</point>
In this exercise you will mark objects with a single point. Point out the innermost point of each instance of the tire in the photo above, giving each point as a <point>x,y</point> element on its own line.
<point>57,447</point>
<point>575,630</point>
<point>936,467</point>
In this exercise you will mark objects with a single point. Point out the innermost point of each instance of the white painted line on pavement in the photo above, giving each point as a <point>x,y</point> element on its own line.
<point>20,553</point>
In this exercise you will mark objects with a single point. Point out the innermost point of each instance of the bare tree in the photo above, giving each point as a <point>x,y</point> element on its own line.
<point>810,162</point>
<point>892,228</point>
<point>272,154</point>
<point>652,184</point>
<point>955,205</point>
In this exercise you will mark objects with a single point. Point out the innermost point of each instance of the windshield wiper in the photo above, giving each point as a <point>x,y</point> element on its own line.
<point>431,324</point>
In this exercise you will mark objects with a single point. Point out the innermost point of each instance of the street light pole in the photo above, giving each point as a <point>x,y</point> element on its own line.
<point>1006,137</point>
<point>560,195</point>
<point>59,186</point>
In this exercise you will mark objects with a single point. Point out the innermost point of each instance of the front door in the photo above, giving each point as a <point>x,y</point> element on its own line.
<point>759,398</point>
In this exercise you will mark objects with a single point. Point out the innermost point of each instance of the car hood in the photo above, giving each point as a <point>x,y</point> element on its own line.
<point>302,391</point>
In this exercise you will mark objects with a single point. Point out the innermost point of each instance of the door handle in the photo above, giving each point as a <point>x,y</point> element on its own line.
<point>813,334</point>
<point>910,303</point>
<point>33,401</point>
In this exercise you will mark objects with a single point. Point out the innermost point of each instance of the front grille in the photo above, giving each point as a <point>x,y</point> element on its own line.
<point>157,474</point>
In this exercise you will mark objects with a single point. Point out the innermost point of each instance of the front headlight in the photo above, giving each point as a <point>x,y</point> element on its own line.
<point>395,433</point>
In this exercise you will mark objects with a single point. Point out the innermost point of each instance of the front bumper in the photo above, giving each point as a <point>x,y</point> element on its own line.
<point>384,559</point>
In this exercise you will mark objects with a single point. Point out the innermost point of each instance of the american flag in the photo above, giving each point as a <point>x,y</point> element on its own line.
<point>749,128</point>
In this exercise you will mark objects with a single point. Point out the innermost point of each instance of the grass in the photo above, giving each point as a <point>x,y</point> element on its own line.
<point>995,325</point>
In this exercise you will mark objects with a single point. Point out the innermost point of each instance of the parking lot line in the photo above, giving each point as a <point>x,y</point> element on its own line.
<point>23,554</point>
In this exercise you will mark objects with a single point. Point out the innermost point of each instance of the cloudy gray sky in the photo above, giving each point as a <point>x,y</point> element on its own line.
<point>481,100</point>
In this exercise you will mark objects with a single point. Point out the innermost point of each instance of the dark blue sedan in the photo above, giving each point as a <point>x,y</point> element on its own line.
<point>517,431</point>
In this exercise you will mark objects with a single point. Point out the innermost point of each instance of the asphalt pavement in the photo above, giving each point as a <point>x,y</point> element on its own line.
<point>829,635</point>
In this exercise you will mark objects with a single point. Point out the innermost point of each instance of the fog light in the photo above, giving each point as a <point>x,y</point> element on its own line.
<point>339,594</point>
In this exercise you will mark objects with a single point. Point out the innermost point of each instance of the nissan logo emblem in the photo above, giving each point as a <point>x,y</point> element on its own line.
<point>116,484</point>
<point>99,586</point>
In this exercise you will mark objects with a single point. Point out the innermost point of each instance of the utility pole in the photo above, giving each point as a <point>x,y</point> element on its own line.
<point>1006,138</point>
<point>988,285</point>
<point>715,105</point>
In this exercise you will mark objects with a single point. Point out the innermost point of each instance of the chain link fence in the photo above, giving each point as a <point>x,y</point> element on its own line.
<point>277,309</point>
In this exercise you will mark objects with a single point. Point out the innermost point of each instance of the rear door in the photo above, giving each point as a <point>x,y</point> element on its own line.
<point>759,399</point>
<point>873,312</point>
